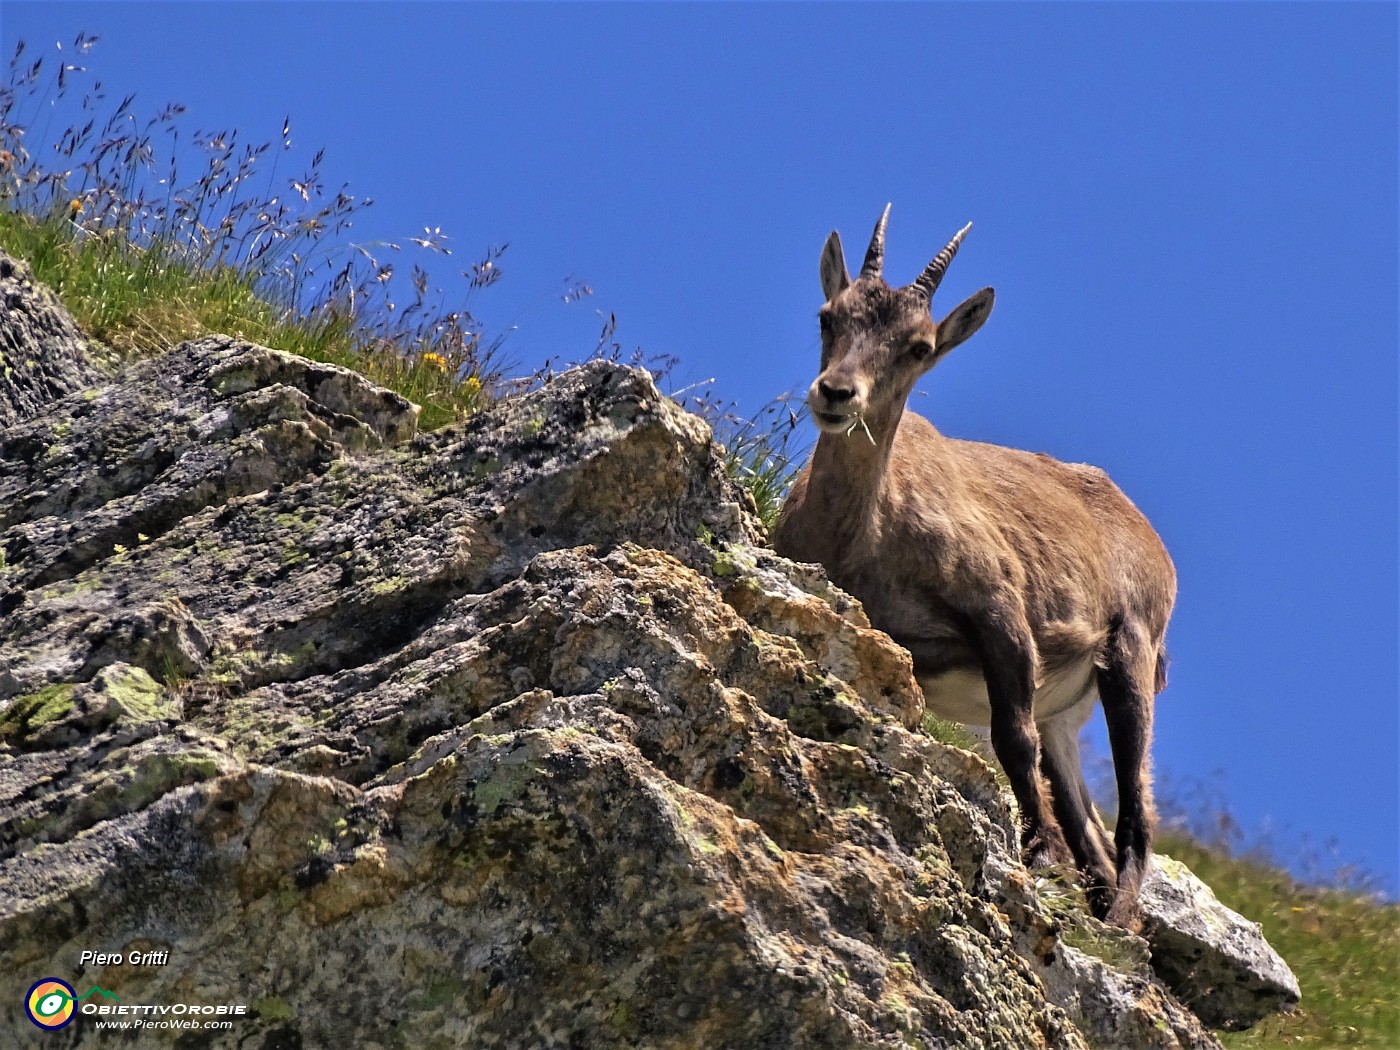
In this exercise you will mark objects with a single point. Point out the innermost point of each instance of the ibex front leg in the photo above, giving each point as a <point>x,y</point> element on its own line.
<point>1008,663</point>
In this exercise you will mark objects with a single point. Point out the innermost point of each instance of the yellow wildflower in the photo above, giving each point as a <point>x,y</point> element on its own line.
<point>75,207</point>
<point>471,386</point>
<point>437,360</point>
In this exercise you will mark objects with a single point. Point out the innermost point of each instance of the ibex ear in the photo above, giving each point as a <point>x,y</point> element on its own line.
<point>835,279</point>
<point>965,319</point>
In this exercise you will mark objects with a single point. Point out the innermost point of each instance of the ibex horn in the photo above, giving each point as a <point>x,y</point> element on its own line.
<point>932,276</point>
<point>875,254</point>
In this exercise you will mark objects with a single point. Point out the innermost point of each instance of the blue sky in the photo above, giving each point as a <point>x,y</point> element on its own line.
<point>1188,211</point>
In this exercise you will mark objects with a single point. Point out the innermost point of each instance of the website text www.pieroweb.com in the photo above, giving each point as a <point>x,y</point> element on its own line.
<point>53,1003</point>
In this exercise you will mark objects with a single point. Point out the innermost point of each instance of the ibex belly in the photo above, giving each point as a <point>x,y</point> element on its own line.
<point>960,694</point>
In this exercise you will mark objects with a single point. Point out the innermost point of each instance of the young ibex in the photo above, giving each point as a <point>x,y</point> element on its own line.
<point>1022,586</point>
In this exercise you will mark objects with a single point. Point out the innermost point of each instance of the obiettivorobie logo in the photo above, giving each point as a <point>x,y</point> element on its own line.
<point>51,1003</point>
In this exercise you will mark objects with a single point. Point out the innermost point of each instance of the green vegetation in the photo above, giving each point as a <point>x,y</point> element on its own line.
<point>137,694</point>
<point>27,714</point>
<point>763,455</point>
<point>958,735</point>
<point>273,1008</point>
<point>144,257</point>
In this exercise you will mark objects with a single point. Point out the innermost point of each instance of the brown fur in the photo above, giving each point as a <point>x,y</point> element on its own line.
<point>986,559</point>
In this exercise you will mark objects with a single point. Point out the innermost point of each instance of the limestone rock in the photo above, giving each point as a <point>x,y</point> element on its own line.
<point>1214,959</point>
<point>508,735</point>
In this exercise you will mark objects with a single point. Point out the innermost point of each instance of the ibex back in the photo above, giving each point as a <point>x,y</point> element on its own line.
<point>1023,587</point>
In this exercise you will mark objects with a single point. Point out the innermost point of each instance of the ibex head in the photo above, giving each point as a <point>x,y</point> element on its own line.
<point>877,340</point>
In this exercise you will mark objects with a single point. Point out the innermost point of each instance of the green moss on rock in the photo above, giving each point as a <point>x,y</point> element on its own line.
<point>137,695</point>
<point>27,714</point>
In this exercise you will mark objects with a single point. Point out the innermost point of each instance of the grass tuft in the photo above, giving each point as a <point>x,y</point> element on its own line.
<point>145,257</point>
<point>762,452</point>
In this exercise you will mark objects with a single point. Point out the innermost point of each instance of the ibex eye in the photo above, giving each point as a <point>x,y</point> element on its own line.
<point>921,349</point>
<point>825,321</point>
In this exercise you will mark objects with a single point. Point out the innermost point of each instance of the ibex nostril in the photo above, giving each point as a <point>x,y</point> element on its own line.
<point>834,394</point>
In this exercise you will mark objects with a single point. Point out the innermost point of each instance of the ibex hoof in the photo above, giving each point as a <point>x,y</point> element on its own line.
<point>1124,912</point>
<point>1044,850</point>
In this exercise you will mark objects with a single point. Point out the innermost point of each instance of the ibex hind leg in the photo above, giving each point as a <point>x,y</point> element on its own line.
<point>1007,666</point>
<point>1126,686</point>
<point>1074,809</point>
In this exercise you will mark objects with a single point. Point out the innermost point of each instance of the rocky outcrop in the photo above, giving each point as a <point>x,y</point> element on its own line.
<point>1213,958</point>
<point>43,355</point>
<point>508,735</point>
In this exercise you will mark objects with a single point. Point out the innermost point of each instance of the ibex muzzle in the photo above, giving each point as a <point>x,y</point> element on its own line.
<point>877,340</point>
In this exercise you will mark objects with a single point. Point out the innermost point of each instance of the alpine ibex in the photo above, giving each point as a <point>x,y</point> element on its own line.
<point>1023,587</point>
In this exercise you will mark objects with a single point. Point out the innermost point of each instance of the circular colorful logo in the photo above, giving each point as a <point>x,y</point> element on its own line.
<point>50,1002</point>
